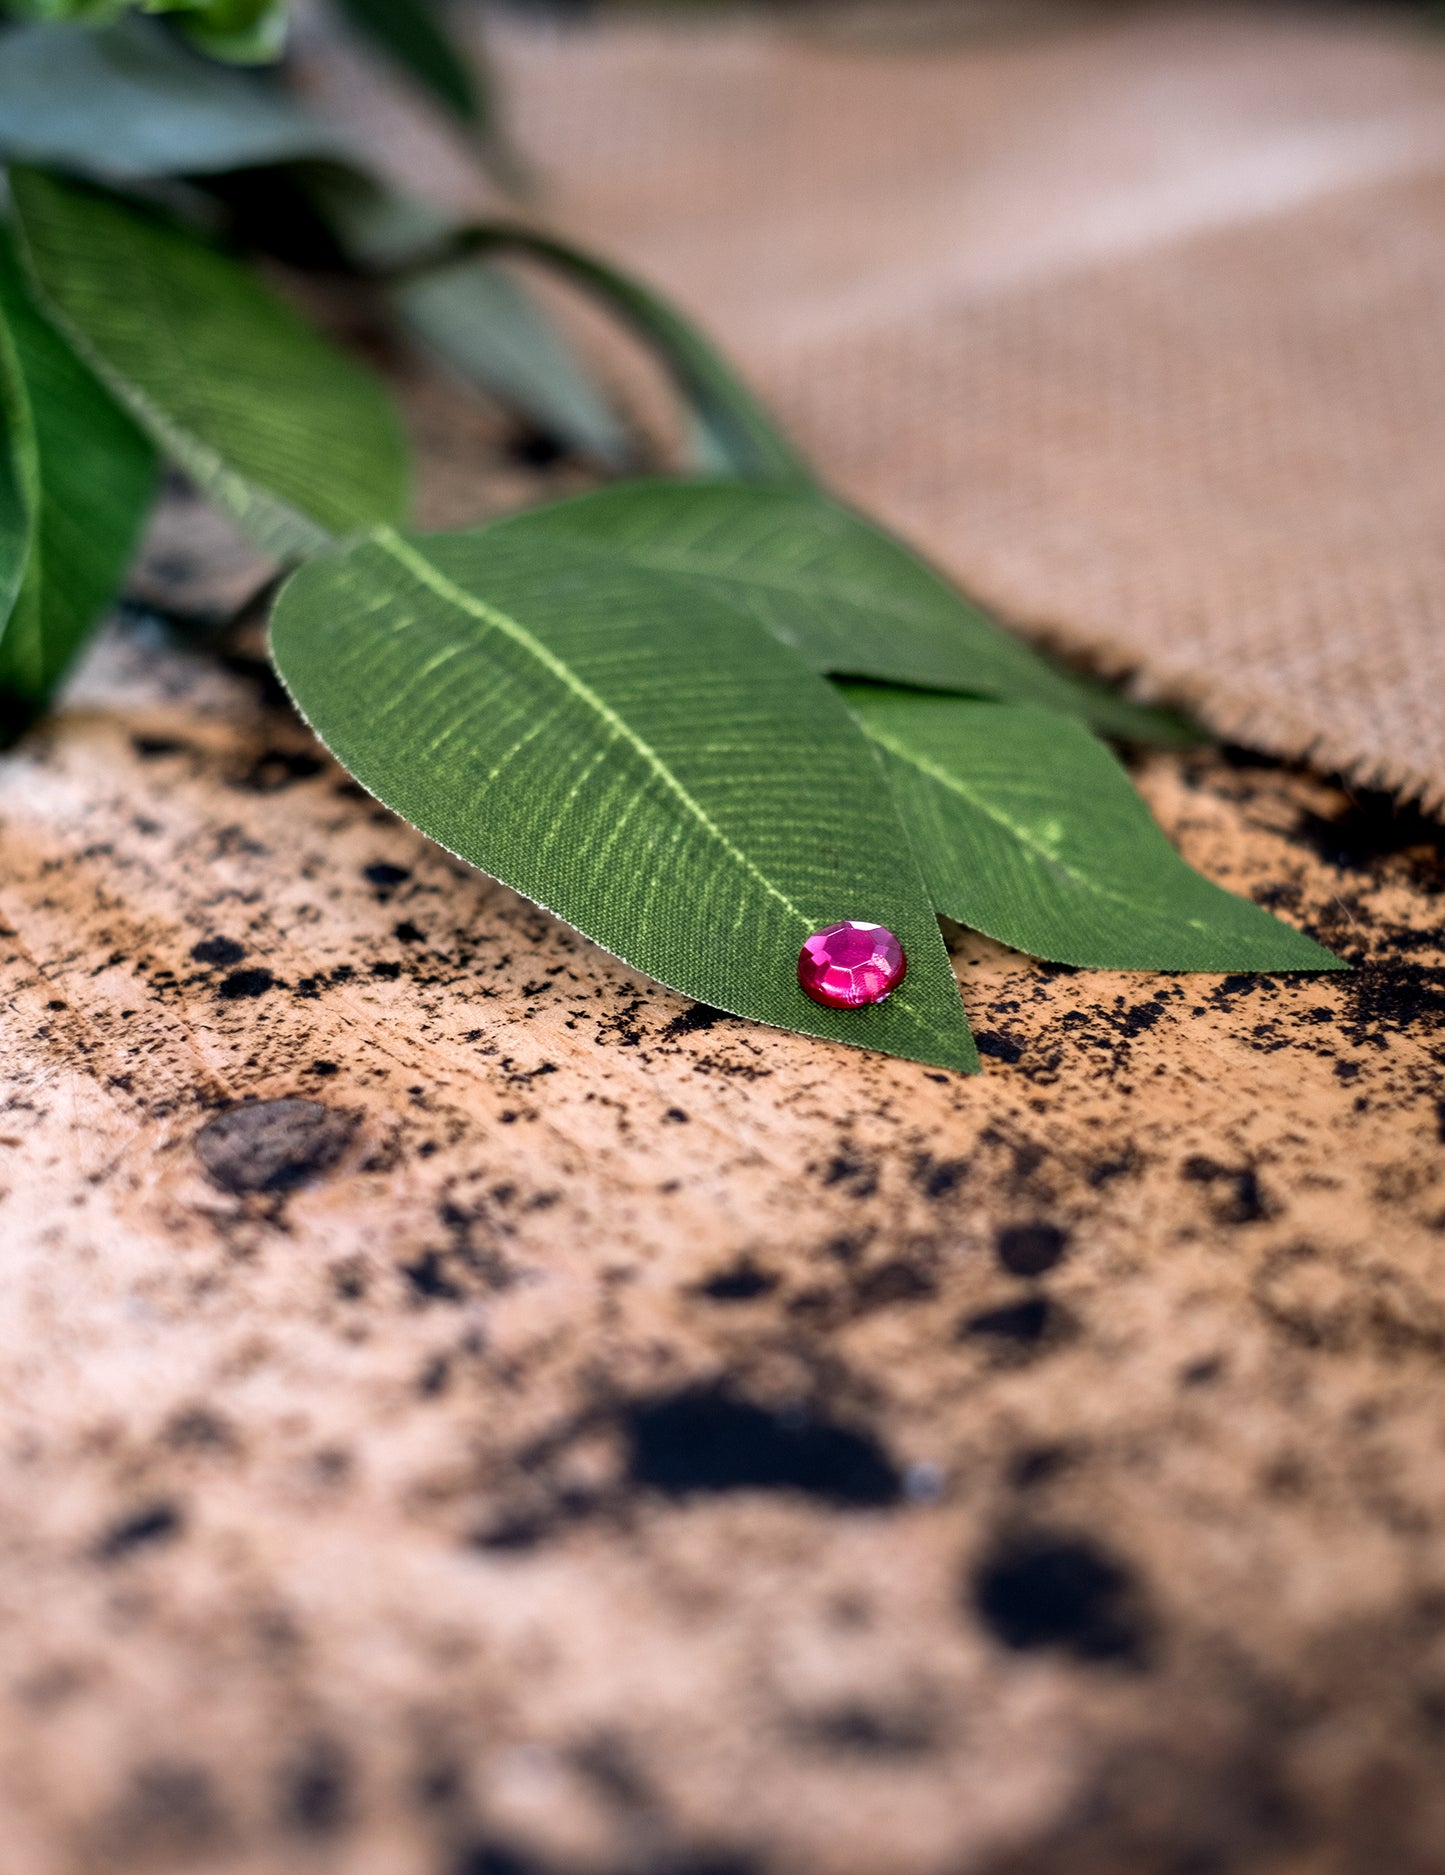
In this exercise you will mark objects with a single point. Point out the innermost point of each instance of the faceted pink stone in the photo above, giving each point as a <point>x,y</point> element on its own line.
<point>851,964</point>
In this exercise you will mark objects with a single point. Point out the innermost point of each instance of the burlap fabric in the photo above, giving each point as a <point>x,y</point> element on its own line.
<point>1135,323</point>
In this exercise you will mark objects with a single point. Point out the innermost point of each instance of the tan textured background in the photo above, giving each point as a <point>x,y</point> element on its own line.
<point>467,1411</point>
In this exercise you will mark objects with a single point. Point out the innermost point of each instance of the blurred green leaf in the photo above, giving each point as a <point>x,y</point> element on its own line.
<point>849,598</point>
<point>93,476</point>
<point>1028,829</point>
<point>291,438</point>
<point>739,433</point>
<point>411,35</point>
<point>640,758</point>
<point>474,314</point>
<point>240,32</point>
<point>489,327</point>
<point>128,103</point>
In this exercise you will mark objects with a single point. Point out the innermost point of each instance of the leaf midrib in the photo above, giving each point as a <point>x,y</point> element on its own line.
<point>431,576</point>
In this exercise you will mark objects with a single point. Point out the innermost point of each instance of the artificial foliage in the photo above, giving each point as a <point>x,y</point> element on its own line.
<point>699,718</point>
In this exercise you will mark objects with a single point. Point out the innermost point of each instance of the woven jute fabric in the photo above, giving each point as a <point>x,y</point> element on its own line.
<point>1134,323</point>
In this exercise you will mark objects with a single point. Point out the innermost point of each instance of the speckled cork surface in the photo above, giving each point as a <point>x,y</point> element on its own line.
<point>465,1410</point>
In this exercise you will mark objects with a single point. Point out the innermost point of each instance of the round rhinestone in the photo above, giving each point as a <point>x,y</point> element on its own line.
<point>849,965</point>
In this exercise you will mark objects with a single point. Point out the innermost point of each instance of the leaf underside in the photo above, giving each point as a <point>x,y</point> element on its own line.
<point>1027,828</point>
<point>126,102</point>
<point>290,438</point>
<point>94,476</point>
<point>659,772</point>
<point>850,599</point>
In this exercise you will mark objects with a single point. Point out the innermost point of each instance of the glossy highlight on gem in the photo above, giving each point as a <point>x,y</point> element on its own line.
<point>850,965</point>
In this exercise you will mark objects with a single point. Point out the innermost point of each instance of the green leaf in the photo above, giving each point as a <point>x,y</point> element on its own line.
<point>294,441</point>
<point>127,103</point>
<point>412,37</point>
<point>489,327</point>
<point>94,478</point>
<point>471,312</point>
<point>847,597</point>
<point>663,775</point>
<point>241,32</point>
<point>739,435</point>
<point>1028,829</point>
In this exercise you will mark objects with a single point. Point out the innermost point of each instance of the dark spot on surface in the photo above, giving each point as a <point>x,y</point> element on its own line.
<point>154,1523</point>
<point>1030,1249</point>
<point>848,1168</point>
<point>223,951</point>
<point>999,1047</point>
<point>275,769</point>
<point>325,1069</point>
<point>429,1278</point>
<point>499,1858</point>
<point>198,1429</point>
<point>1037,1464</point>
<point>273,1145</point>
<point>743,1282</point>
<point>1124,1164</point>
<point>348,1279</point>
<point>513,1533</point>
<point>434,1377</point>
<point>865,1731</point>
<point>170,1808</point>
<point>1141,1017</point>
<point>1047,1590</point>
<point>935,1178</point>
<point>241,984</point>
<point>703,1439</point>
<point>407,933</point>
<point>315,1790</point>
<point>1202,1373</point>
<point>891,1283</point>
<point>1025,1324</point>
<point>699,1017</point>
<point>152,748</point>
<point>1237,1197</point>
<point>389,970</point>
<point>676,1116</point>
<point>384,876</point>
<point>607,1763</point>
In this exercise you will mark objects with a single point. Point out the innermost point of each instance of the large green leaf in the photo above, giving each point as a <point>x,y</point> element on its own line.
<point>650,765</point>
<point>1027,828</point>
<point>738,437</point>
<point>850,599</point>
<point>294,441</point>
<point>94,476</point>
<point>128,102</point>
